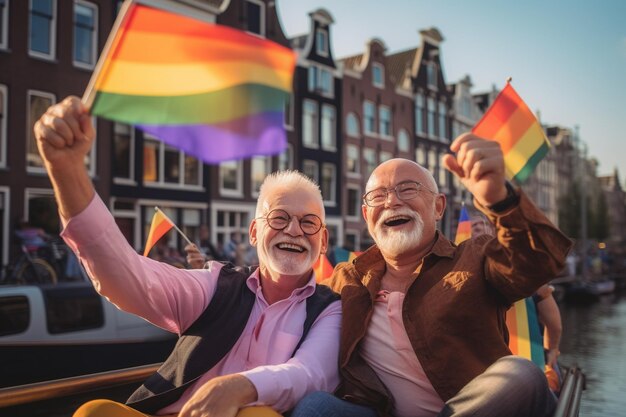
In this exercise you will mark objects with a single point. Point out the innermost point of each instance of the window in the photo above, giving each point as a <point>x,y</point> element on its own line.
<point>165,165</point>
<point>42,28</point>
<point>432,161</point>
<point>285,159</point>
<point>431,75</point>
<point>255,17</point>
<point>378,75</point>
<point>354,202</point>
<point>329,123</point>
<point>231,179</point>
<point>4,24</point>
<point>385,156</point>
<point>369,117</point>
<point>431,116</point>
<point>321,42</point>
<point>38,103</point>
<point>369,155</point>
<point>309,124</point>
<point>310,169</point>
<point>419,113</point>
<point>288,115</point>
<point>320,81</point>
<point>3,124</point>
<point>124,149</point>
<point>420,155</point>
<point>443,174</point>
<point>85,31</point>
<point>384,116</point>
<point>443,132</point>
<point>261,166</point>
<point>352,125</point>
<point>41,209</point>
<point>404,143</point>
<point>73,309</point>
<point>15,314</point>
<point>231,219</point>
<point>328,184</point>
<point>352,159</point>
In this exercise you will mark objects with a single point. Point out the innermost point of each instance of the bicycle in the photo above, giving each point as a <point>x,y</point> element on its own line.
<point>29,269</point>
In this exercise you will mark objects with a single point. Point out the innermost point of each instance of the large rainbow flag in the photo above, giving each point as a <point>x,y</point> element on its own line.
<point>524,337</point>
<point>464,229</point>
<point>510,122</point>
<point>212,91</point>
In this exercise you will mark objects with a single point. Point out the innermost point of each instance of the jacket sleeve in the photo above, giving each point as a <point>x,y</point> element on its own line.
<point>528,250</point>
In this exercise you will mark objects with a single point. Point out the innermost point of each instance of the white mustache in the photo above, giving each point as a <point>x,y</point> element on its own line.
<point>404,211</point>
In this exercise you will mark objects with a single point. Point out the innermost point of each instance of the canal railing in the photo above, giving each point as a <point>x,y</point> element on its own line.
<point>571,393</point>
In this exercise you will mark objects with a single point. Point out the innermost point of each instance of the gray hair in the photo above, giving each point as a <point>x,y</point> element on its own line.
<point>287,179</point>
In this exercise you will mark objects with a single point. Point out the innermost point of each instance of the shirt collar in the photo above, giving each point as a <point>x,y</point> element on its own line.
<point>254,284</point>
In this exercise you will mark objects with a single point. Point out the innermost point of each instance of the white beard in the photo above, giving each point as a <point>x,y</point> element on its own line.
<point>287,263</point>
<point>396,242</point>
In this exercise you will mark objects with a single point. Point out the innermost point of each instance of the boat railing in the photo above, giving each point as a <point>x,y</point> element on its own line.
<point>23,394</point>
<point>571,393</point>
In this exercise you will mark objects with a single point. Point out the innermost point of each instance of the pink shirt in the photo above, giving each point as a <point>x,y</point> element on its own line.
<point>173,299</point>
<point>401,371</point>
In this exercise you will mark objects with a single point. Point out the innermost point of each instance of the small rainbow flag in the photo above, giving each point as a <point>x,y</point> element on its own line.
<point>212,91</point>
<point>510,122</point>
<point>323,268</point>
<point>161,224</point>
<point>524,337</point>
<point>464,229</point>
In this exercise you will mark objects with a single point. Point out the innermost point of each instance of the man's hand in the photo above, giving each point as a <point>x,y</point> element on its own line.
<point>222,396</point>
<point>479,165</point>
<point>195,258</point>
<point>65,134</point>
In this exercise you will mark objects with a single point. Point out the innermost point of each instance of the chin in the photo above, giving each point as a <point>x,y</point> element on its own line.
<point>397,243</point>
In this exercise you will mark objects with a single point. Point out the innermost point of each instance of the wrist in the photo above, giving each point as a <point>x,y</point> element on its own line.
<point>510,200</point>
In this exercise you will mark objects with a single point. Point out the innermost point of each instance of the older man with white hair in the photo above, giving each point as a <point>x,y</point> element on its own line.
<point>423,329</point>
<point>264,336</point>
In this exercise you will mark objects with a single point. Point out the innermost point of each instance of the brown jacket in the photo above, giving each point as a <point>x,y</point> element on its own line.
<point>454,311</point>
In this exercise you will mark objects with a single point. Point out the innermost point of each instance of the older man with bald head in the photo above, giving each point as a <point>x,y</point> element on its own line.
<point>423,328</point>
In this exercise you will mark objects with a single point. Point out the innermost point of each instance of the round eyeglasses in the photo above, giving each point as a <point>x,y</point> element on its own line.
<point>279,220</point>
<point>406,190</point>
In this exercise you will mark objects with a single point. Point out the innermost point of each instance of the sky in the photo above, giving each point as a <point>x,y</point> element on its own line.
<point>567,58</point>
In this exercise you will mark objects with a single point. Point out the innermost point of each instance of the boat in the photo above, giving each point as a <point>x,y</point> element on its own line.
<point>57,331</point>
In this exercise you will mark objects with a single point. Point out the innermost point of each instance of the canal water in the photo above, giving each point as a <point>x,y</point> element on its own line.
<point>594,338</point>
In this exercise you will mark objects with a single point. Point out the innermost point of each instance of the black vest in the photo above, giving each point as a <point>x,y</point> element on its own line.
<point>211,337</point>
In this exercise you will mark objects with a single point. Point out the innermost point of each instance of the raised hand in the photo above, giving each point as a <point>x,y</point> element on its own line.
<point>479,165</point>
<point>195,258</point>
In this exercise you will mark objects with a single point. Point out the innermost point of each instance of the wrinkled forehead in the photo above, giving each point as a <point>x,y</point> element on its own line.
<point>390,175</point>
<point>297,202</point>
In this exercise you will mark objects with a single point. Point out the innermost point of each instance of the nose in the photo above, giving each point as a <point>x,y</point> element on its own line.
<point>293,228</point>
<point>392,199</point>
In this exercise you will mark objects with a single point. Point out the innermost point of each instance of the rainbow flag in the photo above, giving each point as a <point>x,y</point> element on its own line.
<point>464,229</point>
<point>524,337</point>
<point>510,122</point>
<point>212,91</point>
<point>161,224</point>
<point>323,268</point>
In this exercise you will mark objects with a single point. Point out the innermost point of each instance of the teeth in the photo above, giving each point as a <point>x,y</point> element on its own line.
<point>392,218</point>
<point>290,246</point>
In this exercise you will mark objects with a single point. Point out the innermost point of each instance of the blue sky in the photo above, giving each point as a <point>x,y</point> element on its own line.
<point>567,58</point>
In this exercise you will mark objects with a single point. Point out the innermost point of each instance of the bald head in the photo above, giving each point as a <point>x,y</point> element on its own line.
<point>392,169</point>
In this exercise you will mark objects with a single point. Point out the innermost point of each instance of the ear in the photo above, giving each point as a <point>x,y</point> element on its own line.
<point>364,212</point>
<point>324,246</point>
<point>252,233</point>
<point>440,206</point>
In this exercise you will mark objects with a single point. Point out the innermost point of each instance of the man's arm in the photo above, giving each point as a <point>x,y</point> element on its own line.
<point>549,315</point>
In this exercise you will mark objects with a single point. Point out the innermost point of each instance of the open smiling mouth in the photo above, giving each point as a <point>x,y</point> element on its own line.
<point>290,247</point>
<point>397,221</point>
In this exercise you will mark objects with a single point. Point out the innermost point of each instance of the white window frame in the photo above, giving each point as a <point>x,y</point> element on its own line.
<point>357,159</point>
<point>239,208</point>
<point>420,105</point>
<point>52,34</point>
<point>315,136</point>
<point>289,153</point>
<point>332,202</point>
<point>354,217</point>
<point>431,116</point>
<point>352,119</point>
<point>94,37</point>
<point>442,113</point>
<point>4,17</point>
<point>332,145</point>
<point>160,182</point>
<point>381,110</point>
<point>29,127</point>
<point>4,107</point>
<point>322,50</point>
<point>261,16</point>
<point>313,166</point>
<point>374,161</point>
<point>227,192</point>
<point>420,155</point>
<point>315,82</point>
<point>404,138</point>
<point>366,120</point>
<point>431,75</point>
<point>376,66</point>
